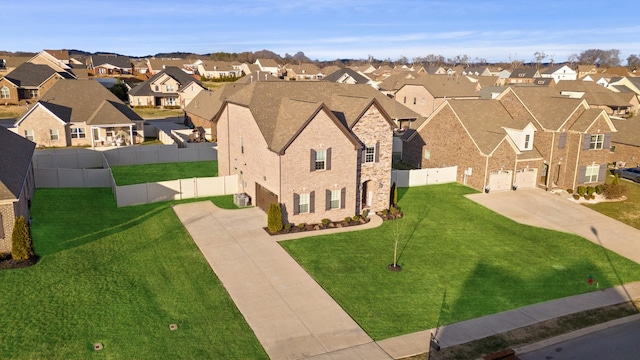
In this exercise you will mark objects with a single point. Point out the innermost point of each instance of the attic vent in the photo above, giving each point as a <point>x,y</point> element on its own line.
<point>521,75</point>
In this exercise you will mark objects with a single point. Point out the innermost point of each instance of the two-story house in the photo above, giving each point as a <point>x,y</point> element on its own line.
<point>559,72</point>
<point>321,150</point>
<point>523,76</point>
<point>80,113</point>
<point>525,137</point>
<point>169,88</point>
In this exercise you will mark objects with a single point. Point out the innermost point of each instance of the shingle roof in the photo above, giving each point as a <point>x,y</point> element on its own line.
<point>123,62</point>
<point>16,153</point>
<point>207,104</point>
<point>336,75</point>
<point>30,75</point>
<point>596,94</point>
<point>86,101</point>
<point>440,86</point>
<point>584,121</point>
<point>547,105</point>
<point>267,63</point>
<point>180,76</point>
<point>281,108</point>
<point>524,73</point>
<point>628,131</point>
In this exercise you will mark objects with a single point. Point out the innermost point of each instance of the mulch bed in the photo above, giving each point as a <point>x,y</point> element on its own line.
<point>6,262</point>
<point>317,227</point>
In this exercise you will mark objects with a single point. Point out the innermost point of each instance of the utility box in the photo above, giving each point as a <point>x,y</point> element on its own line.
<point>241,199</point>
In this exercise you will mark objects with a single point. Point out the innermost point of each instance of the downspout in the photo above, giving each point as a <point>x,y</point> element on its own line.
<point>228,142</point>
<point>553,144</point>
<point>486,170</point>
<point>575,171</point>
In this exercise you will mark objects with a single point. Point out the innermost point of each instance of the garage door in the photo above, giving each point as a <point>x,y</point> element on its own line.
<point>500,180</point>
<point>526,178</point>
<point>264,197</point>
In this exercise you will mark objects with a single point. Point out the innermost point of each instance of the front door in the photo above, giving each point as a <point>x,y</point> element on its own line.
<point>543,175</point>
<point>367,194</point>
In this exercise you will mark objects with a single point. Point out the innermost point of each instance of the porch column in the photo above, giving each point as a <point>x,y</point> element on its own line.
<point>131,134</point>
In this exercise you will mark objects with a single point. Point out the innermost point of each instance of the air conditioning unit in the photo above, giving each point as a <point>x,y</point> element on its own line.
<point>241,199</point>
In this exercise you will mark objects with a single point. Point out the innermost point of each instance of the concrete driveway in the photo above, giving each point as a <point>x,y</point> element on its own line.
<point>291,315</point>
<point>556,211</point>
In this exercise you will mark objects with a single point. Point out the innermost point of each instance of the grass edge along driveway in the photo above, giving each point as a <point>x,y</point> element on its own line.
<point>460,261</point>
<point>118,276</point>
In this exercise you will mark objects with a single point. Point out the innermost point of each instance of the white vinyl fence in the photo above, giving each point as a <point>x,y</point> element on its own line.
<point>409,178</point>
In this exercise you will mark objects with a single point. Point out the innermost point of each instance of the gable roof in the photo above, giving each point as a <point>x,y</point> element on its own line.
<point>267,63</point>
<point>596,94</point>
<point>183,79</point>
<point>440,86</point>
<point>549,108</point>
<point>338,74</point>
<point>587,118</point>
<point>552,69</point>
<point>86,101</point>
<point>281,109</point>
<point>524,73</point>
<point>207,104</point>
<point>30,75</point>
<point>123,62</point>
<point>628,131</point>
<point>16,153</point>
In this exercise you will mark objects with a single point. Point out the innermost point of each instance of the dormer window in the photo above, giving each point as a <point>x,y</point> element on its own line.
<point>527,139</point>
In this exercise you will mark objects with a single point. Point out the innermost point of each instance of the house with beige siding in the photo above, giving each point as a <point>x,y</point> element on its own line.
<point>321,150</point>
<point>17,183</point>
<point>80,113</point>
<point>170,88</point>
<point>525,137</point>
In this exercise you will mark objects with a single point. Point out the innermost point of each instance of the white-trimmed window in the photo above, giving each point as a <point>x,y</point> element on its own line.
<point>170,88</point>
<point>597,142</point>
<point>427,154</point>
<point>110,132</point>
<point>54,134</point>
<point>33,93</point>
<point>170,101</point>
<point>303,205</point>
<point>4,93</point>
<point>370,154</point>
<point>591,173</point>
<point>28,134</point>
<point>78,133</point>
<point>321,159</point>
<point>334,203</point>
<point>527,139</point>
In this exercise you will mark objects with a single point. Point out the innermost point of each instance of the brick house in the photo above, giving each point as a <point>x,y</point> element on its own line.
<point>17,183</point>
<point>625,144</point>
<point>80,113</point>
<point>28,82</point>
<point>523,76</point>
<point>169,88</point>
<point>526,137</point>
<point>109,65</point>
<point>321,150</point>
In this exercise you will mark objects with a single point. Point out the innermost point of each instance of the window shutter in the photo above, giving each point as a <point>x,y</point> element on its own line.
<point>581,174</point>
<point>1,227</point>
<point>587,141</point>
<point>328,159</point>
<point>343,197</point>
<point>327,199</point>
<point>378,151</point>
<point>364,154</point>
<point>312,160</point>
<point>562,141</point>
<point>296,204</point>
<point>602,174</point>
<point>607,142</point>
<point>312,202</point>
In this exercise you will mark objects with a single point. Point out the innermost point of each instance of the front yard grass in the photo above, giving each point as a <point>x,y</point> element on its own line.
<point>140,174</point>
<point>460,261</point>
<point>627,211</point>
<point>118,276</point>
<point>154,113</point>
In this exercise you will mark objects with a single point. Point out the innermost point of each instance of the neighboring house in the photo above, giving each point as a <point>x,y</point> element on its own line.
<point>559,72</point>
<point>303,71</point>
<point>347,76</point>
<point>432,70</point>
<point>140,67</point>
<point>625,144</point>
<point>155,65</point>
<point>170,88</point>
<point>523,76</point>
<point>58,60</point>
<point>218,69</point>
<point>477,71</point>
<point>321,150</point>
<point>584,70</point>
<point>616,104</point>
<point>27,83</point>
<point>17,183</point>
<point>80,113</point>
<point>109,65</point>
<point>9,63</point>
<point>425,93</point>
<point>268,65</point>
<point>203,110</point>
<point>526,137</point>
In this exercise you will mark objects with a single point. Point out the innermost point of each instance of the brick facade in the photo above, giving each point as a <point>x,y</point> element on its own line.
<point>10,211</point>
<point>13,93</point>
<point>418,99</point>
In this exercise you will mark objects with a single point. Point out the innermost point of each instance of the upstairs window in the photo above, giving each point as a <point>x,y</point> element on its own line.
<point>527,139</point>
<point>370,154</point>
<point>320,160</point>
<point>321,157</point>
<point>597,141</point>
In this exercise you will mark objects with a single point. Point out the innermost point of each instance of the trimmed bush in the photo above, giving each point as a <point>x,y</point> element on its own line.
<point>394,195</point>
<point>590,190</point>
<point>325,222</point>
<point>582,190</point>
<point>274,218</point>
<point>301,226</point>
<point>616,179</point>
<point>393,210</point>
<point>599,189</point>
<point>21,243</point>
<point>570,191</point>
<point>576,196</point>
<point>347,219</point>
<point>355,218</point>
<point>288,226</point>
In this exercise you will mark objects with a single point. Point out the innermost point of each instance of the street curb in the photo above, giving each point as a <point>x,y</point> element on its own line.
<point>575,334</point>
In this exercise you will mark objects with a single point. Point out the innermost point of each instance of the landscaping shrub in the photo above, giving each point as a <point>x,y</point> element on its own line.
<point>364,214</point>
<point>394,195</point>
<point>613,191</point>
<point>616,179</point>
<point>582,190</point>
<point>576,196</point>
<point>593,196</point>
<point>22,245</point>
<point>393,210</point>
<point>301,226</point>
<point>347,219</point>
<point>274,218</point>
<point>288,226</point>
<point>590,190</point>
<point>356,218</point>
<point>570,191</point>
<point>599,189</point>
<point>325,222</point>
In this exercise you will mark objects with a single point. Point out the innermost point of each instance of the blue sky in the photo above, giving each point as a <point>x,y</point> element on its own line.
<point>327,29</point>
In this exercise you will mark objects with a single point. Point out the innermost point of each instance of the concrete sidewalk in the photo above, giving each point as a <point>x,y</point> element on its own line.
<point>291,315</point>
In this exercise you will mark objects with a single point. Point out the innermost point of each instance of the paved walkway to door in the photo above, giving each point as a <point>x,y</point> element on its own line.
<point>555,211</point>
<point>291,315</point>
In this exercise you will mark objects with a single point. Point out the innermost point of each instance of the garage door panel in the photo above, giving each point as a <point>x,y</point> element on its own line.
<point>500,180</point>
<point>526,178</point>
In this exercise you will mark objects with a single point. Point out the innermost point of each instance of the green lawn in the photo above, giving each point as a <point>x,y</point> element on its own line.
<point>627,211</point>
<point>119,276</point>
<point>154,113</point>
<point>460,261</point>
<point>140,174</point>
